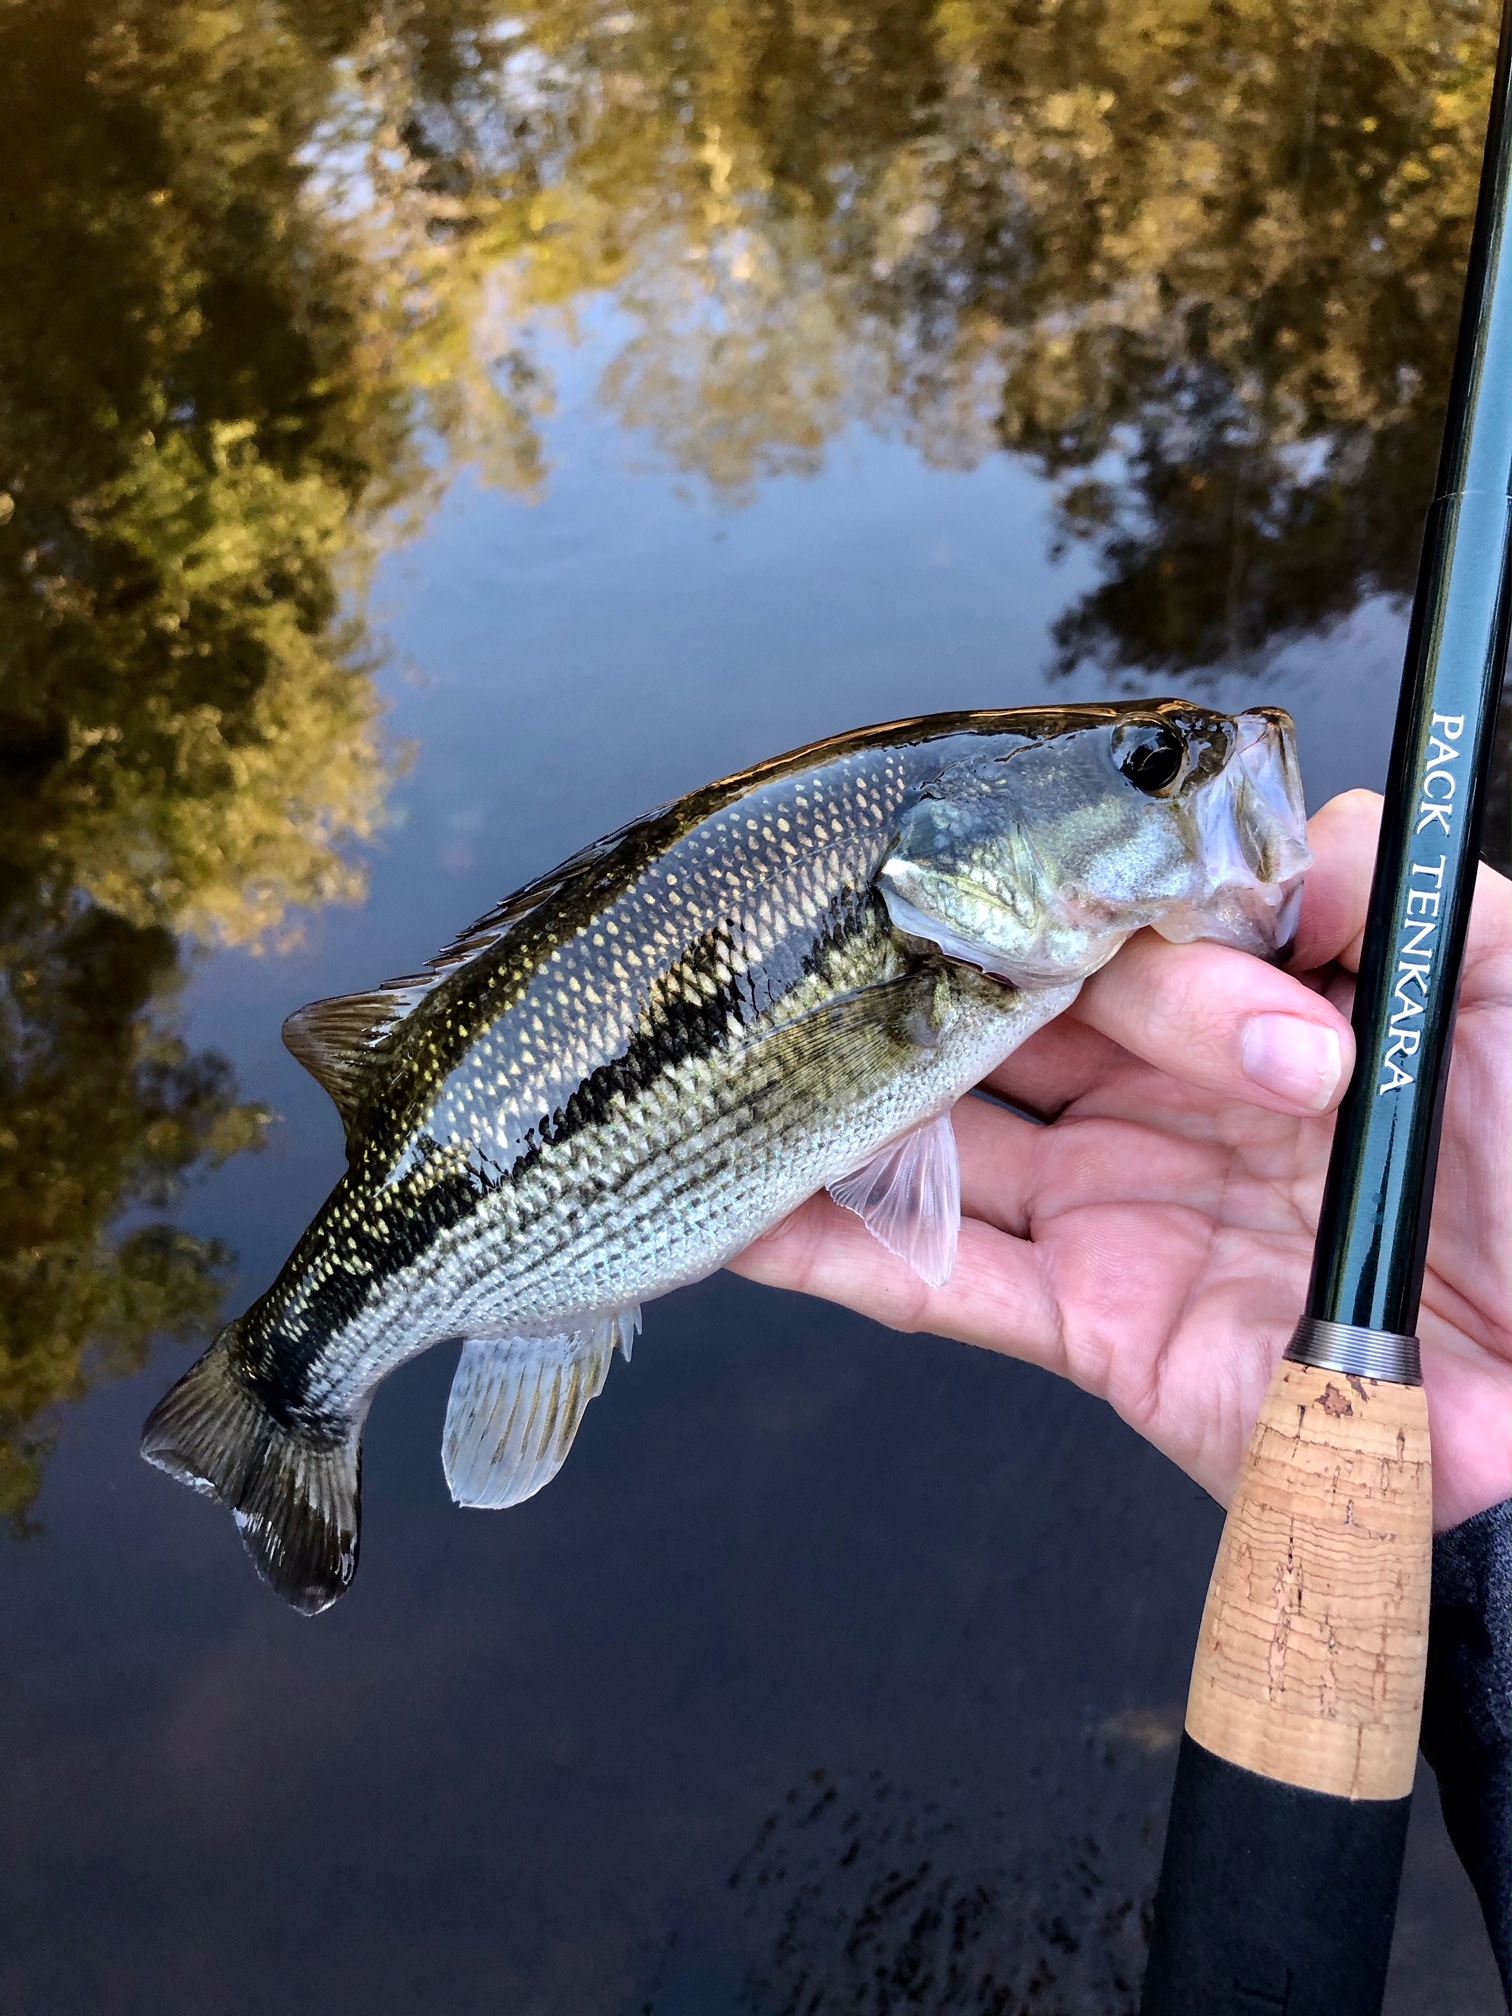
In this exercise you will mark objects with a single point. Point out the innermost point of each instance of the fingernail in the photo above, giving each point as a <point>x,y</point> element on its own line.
<point>1298,1060</point>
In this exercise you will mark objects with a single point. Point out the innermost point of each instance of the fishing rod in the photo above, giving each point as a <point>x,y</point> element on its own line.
<point>1288,1823</point>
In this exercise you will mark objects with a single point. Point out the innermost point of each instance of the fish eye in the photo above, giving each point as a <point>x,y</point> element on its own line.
<point>1151,755</point>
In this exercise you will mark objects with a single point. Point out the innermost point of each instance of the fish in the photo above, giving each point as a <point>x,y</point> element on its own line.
<point>629,1070</point>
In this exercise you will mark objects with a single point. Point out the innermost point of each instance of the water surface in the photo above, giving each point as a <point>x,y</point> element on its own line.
<point>432,439</point>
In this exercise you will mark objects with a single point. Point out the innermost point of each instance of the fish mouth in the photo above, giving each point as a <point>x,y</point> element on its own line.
<point>1249,838</point>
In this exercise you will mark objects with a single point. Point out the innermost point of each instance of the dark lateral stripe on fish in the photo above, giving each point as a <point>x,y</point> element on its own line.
<point>278,1358</point>
<point>345,1260</point>
<point>692,1023</point>
<point>689,1024</point>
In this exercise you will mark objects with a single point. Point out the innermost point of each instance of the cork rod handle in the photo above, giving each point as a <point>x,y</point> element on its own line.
<point>1310,1660</point>
<point>1289,1815</point>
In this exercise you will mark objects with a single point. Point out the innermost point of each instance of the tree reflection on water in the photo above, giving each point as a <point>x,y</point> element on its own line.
<point>268,272</point>
<point>198,414</point>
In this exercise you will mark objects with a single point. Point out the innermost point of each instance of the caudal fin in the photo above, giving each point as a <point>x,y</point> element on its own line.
<point>295,1500</point>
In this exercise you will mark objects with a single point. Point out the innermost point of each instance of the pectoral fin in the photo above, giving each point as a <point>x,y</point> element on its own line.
<point>517,1402</point>
<point>909,1197</point>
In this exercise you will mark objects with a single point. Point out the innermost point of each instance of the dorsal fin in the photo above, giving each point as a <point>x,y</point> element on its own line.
<point>513,909</point>
<point>339,1038</point>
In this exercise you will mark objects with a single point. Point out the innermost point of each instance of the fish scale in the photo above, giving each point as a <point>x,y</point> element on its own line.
<point>628,1071</point>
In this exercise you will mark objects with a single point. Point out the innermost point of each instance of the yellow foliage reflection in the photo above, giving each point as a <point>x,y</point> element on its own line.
<point>269,269</point>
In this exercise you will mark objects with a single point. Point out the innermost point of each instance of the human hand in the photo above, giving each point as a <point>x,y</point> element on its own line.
<point>1154,1242</point>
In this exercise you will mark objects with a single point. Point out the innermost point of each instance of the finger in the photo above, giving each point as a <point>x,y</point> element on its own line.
<point>1487,972</point>
<point>998,1296</point>
<point>1223,1021</point>
<point>1342,835</point>
<point>1002,1164</point>
<point>1054,1067</point>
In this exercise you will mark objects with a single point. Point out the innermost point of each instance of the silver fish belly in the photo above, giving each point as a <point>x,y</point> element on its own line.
<point>631,1069</point>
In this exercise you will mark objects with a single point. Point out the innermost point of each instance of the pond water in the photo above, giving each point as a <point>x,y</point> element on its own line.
<point>432,437</point>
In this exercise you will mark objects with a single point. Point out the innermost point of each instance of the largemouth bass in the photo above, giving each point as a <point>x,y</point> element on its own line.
<point>626,1072</point>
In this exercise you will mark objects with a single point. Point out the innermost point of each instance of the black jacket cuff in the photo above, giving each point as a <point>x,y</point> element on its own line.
<point>1467,1706</point>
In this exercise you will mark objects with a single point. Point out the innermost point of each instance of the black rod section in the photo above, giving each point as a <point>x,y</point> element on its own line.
<point>1373,1228</point>
<point>1274,1900</point>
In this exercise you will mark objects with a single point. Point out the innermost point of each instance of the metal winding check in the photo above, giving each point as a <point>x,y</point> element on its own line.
<point>1351,1348</point>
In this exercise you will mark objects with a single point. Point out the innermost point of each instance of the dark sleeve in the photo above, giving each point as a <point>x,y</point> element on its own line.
<point>1467,1706</point>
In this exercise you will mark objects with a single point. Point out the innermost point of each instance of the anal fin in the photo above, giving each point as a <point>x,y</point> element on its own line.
<point>516,1404</point>
<point>909,1197</point>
